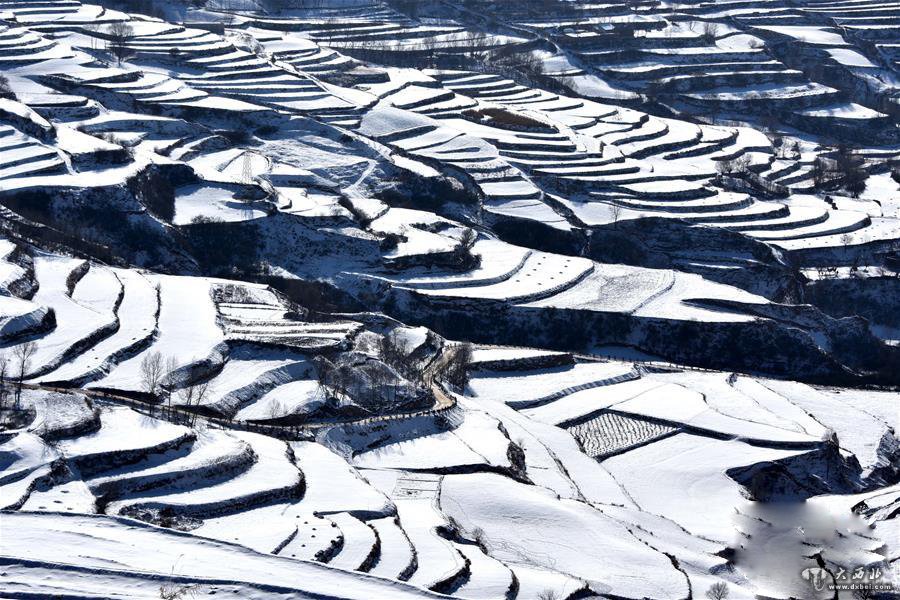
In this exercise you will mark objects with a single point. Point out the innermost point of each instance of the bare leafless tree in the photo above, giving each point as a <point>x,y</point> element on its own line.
<point>171,366</point>
<point>92,30</point>
<point>275,409</point>
<point>23,354</point>
<point>850,168</point>
<point>323,367</point>
<point>152,372</point>
<point>717,591</point>
<point>819,172</point>
<point>4,373</point>
<point>5,88</point>
<point>192,396</point>
<point>710,32</point>
<point>456,367</point>
<point>120,34</point>
<point>846,240</point>
<point>615,211</point>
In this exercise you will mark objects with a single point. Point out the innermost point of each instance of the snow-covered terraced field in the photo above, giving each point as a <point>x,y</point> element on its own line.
<point>263,319</point>
<point>80,317</point>
<point>400,511</point>
<point>487,300</point>
<point>187,327</point>
<point>106,323</point>
<point>533,388</point>
<point>137,323</point>
<point>541,275</point>
<point>588,144</point>
<point>611,433</point>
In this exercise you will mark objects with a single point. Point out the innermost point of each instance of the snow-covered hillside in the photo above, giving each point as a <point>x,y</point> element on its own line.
<point>379,299</point>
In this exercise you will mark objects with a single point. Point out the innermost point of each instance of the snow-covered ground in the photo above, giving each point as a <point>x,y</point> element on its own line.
<point>499,494</point>
<point>241,251</point>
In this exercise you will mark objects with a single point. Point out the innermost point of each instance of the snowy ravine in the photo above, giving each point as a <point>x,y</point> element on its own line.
<point>491,300</point>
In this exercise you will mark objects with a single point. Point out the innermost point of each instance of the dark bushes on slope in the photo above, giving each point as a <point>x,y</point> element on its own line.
<point>669,243</point>
<point>875,298</point>
<point>82,223</point>
<point>504,119</point>
<point>224,249</point>
<point>411,190</point>
<point>155,187</point>
<point>319,296</point>
<point>5,89</point>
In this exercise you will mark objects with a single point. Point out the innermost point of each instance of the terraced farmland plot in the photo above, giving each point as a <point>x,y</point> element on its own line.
<point>612,433</point>
<point>262,572</point>
<point>250,373</point>
<point>258,316</point>
<point>542,386</point>
<point>389,299</point>
<point>416,487</point>
<point>136,315</point>
<point>83,317</point>
<point>703,460</point>
<point>187,327</point>
<point>540,276</point>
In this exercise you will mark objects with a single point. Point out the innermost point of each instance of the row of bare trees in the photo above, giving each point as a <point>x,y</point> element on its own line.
<point>156,369</point>
<point>735,166</point>
<point>424,52</point>
<point>15,369</point>
<point>334,380</point>
<point>456,365</point>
